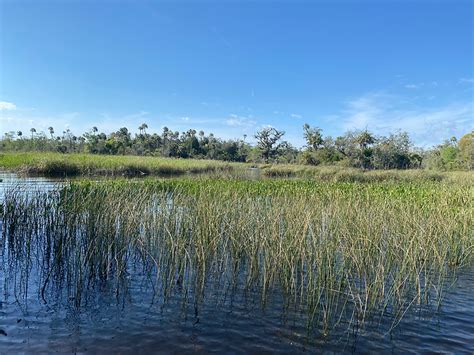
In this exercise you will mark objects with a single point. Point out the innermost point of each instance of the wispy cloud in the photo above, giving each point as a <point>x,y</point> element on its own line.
<point>432,84</point>
<point>413,86</point>
<point>210,104</point>
<point>466,81</point>
<point>295,115</point>
<point>5,106</point>
<point>240,121</point>
<point>383,114</point>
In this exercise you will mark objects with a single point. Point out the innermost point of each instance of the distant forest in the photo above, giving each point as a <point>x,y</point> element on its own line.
<point>360,149</point>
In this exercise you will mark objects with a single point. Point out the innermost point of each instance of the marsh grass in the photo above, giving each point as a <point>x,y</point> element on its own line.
<point>344,174</point>
<point>341,253</point>
<point>68,165</point>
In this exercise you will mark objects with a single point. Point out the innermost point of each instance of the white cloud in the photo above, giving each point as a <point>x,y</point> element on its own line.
<point>4,106</point>
<point>295,115</point>
<point>384,114</point>
<point>240,121</point>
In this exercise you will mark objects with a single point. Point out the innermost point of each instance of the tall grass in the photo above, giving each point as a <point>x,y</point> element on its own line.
<point>341,253</point>
<point>56,164</point>
<point>69,165</point>
<point>345,174</point>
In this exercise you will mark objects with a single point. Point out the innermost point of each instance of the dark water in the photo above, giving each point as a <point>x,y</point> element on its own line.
<point>235,321</point>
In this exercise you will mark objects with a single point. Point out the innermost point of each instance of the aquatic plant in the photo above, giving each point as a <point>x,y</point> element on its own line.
<point>56,164</point>
<point>68,165</point>
<point>341,253</point>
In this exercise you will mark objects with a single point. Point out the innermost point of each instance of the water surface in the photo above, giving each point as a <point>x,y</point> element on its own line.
<point>132,318</point>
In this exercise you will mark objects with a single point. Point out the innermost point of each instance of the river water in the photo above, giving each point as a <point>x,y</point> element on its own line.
<point>136,321</point>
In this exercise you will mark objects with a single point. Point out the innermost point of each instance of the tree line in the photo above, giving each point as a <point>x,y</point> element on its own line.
<point>361,149</point>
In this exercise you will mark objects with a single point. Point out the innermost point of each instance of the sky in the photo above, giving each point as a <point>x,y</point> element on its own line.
<point>233,67</point>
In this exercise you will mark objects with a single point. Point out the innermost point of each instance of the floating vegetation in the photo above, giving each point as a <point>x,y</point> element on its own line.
<point>342,254</point>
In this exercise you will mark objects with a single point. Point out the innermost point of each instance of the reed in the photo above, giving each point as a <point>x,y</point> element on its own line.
<point>342,253</point>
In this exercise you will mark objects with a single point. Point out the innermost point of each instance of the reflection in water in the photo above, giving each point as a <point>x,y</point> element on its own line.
<point>10,181</point>
<point>48,304</point>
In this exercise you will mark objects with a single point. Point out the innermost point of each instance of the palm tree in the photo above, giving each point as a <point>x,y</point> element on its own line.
<point>365,139</point>
<point>33,131</point>
<point>51,131</point>
<point>143,128</point>
<point>313,137</point>
<point>19,133</point>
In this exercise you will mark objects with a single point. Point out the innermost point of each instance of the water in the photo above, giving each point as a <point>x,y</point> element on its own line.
<point>233,321</point>
<point>26,184</point>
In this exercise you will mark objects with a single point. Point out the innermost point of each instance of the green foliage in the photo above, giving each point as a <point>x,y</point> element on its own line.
<point>359,149</point>
<point>168,144</point>
<point>307,157</point>
<point>393,152</point>
<point>452,155</point>
<point>466,150</point>
<point>313,136</point>
<point>267,142</point>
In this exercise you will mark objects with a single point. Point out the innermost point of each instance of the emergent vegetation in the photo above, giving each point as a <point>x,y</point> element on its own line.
<point>341,253</point>
<point>57,164</point>
<point>70,165</point>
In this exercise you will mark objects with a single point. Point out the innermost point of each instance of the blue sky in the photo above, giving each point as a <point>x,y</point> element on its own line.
<point>232,67</point>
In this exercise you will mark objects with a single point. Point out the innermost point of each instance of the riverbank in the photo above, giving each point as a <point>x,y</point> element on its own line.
<point>88,165</point>
<point>70,165</point>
